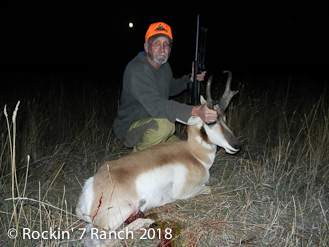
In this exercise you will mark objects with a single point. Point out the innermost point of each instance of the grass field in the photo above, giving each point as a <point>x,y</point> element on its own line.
<point>274,192</point>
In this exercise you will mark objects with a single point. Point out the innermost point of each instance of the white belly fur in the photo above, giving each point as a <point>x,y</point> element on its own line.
<point>161,185</point>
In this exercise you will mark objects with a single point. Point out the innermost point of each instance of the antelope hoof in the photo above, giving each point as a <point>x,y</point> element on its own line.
<point>206,190</point>
<point>154,224</point>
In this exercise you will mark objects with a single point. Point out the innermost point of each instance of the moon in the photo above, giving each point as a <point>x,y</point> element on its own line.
<point>131,25</point>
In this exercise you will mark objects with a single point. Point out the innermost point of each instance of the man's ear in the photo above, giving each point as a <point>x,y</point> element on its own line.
<point>145,48</point>
<point>202,100</point>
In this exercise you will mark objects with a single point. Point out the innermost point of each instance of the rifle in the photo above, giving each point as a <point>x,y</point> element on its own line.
<point>196,88</point>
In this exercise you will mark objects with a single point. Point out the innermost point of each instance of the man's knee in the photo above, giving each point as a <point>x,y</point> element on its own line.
<point>165,128</point>
<point>151,137</point>
<point>149,131</point>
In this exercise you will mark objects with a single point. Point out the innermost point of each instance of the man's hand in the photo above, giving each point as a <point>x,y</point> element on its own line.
<point>199,77</point>
<point>206,114</point>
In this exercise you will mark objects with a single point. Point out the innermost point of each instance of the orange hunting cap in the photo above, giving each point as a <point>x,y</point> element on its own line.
<point>158,28</point>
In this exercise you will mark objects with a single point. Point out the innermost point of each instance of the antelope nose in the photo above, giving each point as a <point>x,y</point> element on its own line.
<point>237,146</point>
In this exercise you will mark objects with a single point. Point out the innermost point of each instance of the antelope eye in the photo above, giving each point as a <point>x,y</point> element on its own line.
<point>211,124</point>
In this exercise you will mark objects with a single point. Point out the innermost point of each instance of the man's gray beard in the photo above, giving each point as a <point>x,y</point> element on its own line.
<point>154,59</point>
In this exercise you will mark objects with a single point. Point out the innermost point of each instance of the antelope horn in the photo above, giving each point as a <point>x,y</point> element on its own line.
<point>228,94</point>
<point>208,94</point>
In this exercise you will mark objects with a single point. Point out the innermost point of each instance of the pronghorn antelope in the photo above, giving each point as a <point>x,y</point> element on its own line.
<point>159,175</point>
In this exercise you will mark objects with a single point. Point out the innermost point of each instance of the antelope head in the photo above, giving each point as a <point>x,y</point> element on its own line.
<point>218,133</point>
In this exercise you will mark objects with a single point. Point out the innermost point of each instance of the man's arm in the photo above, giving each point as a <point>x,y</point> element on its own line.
<point>145,90</point>
<point>178,85</point>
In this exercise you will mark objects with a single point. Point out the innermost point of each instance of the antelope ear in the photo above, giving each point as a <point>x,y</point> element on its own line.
<point>202,100</point>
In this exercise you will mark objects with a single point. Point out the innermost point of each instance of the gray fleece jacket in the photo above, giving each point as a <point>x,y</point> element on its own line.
<point>146,91</point>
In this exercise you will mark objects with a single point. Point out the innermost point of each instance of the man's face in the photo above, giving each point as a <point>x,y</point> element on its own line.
<point>159,50</point>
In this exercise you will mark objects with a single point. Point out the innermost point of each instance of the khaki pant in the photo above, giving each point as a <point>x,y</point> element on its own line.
<point>148,132</point>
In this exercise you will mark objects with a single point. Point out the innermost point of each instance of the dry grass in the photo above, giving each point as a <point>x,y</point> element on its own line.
<point>273,193</point>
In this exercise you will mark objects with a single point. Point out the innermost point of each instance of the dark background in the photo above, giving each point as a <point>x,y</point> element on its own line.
<point>267,38</point>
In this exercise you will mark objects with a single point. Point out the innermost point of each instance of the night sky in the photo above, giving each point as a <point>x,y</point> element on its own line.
<point>242,37</point>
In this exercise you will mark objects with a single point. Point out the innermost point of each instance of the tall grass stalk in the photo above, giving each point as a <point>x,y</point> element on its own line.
<point>12,143</point>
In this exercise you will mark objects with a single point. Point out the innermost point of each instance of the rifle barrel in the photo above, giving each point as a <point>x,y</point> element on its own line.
<point>197,39</point>
<point>196,86</point>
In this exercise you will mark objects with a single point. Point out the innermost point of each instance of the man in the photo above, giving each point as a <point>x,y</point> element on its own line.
<point>146,116</point>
